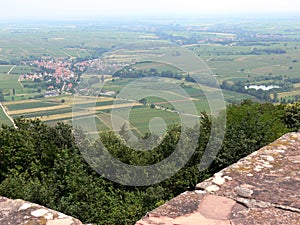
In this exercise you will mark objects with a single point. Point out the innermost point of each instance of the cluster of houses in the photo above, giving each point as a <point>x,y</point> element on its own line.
<point>60,69</point>
<point>62,75</point>
<point>30,76</point>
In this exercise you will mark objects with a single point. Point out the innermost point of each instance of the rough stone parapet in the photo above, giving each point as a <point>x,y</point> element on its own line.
<point>19,212</point>
<point>262,188</point>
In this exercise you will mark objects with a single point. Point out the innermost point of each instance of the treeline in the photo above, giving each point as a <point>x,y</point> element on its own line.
<point>130,72</point>
<point>256,51</point>
<point>239,86</point>
<point>4,62</point>
<point>94,53</point>
<point>263,51</point>
<point>284,84</point>
<point>43,164</point>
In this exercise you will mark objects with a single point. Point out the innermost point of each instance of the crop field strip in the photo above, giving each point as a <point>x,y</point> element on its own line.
<point>38,110</point>
<point>54,101</point>
<point>29,105</point>
<point>67,108</point>
<point>52,111</point>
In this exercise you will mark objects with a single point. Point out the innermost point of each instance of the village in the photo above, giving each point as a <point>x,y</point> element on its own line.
<point>62,76</point>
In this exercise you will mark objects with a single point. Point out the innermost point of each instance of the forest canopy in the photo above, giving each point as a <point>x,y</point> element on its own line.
<point>43,164</point>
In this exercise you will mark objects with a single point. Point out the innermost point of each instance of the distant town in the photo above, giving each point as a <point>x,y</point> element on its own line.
<point>62,75</point>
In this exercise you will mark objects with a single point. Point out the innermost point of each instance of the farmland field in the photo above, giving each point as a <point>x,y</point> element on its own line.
<point>155,65</point>
<point>228,53</point>
<point>141,118</point>
<point>86,123</point>
<point>236,62</point>
<point>3,118</point>
<point>60,42</point>
<point>9,81</point>
<point>30,105</point>
<point>5,68</point>
<point>91,110</point>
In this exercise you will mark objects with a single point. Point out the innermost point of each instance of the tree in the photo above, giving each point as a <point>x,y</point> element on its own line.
<point>124,132</point>
<point>1,96</point>
<point>43,164</point>
<point>275,98</point>
<point>292,115</point>
<point>143,101</point>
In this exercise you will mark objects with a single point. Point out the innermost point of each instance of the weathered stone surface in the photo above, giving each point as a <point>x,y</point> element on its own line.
<point>275,174</point>
<point>262,188</point>
<point>19,212</point>
<point>216,207</point>
<point>266,216</point>
<point>186,203</point>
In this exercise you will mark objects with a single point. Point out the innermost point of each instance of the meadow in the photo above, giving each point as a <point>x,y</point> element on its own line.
<point>228,64</point>
<point>8,82</point>
<point>3,118</point>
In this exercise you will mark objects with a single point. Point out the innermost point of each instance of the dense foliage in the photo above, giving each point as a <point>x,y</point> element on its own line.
<point>130,72</point>
<point>282,84</point>
<point>292,115</point>
<point>42,164</point>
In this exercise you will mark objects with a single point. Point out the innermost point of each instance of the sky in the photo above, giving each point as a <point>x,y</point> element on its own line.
<point>72,9</point>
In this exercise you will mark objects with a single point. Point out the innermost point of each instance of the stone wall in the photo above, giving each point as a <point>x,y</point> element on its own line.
<point>19,212</point>
<point>262,188</point>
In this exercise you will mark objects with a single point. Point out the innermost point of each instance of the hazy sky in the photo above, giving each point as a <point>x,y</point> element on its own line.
<point>113,8</point>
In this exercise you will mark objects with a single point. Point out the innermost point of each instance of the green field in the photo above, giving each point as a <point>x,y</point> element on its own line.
<point>3,118</point>
<point>95,104</point>
<point>30,105</point>
<point>155,65</point>
<point>45,113</point>
<point>23,69</point>
<point>233,61</point>
<point>51,110</point>
<point>9,82</point>
<point>5,68</point>
<point>61,41</point>
<point>87,123</point>
<point>141,117</point>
